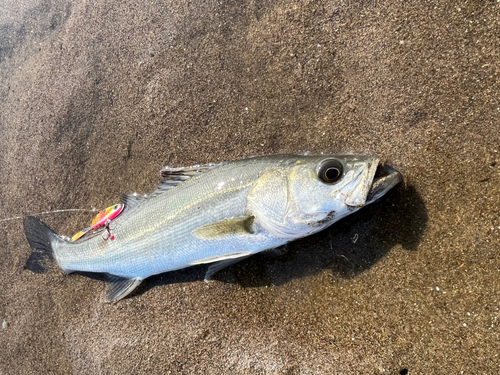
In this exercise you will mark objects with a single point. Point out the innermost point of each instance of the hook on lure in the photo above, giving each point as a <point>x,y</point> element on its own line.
<point>103,219</point>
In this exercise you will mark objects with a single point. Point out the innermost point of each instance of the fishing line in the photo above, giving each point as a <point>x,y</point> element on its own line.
<point>52,212</point>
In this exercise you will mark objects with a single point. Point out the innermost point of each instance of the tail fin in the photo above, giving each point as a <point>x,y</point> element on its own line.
<point>41,238</point>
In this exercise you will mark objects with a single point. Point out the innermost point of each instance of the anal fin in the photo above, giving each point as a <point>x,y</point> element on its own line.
<point>120,287</point>
<point>221,262</point>
<point>216,267</point>
<point>219,258</point>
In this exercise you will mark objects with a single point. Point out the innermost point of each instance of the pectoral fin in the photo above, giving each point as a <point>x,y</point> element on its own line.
<point>226,228</point>
<point>120,287</point>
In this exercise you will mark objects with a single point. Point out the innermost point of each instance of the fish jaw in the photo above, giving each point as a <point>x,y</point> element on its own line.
<point>362,175</point>
<point>381,185</point>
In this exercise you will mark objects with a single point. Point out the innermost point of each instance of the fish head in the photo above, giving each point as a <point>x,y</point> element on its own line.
<point>311,193</point>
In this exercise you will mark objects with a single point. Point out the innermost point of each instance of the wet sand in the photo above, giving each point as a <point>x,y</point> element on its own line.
<point>96,97</point>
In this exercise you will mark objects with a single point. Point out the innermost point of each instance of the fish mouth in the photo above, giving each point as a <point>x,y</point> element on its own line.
<point>369,181</point>
<point>385,179</point>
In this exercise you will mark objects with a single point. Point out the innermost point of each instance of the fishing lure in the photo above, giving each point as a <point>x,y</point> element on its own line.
<point>103,219</point>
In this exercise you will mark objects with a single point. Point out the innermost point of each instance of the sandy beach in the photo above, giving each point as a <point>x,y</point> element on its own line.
<point>97,96</point>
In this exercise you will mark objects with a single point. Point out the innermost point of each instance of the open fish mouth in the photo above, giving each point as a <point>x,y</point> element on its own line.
<point>384,180</point>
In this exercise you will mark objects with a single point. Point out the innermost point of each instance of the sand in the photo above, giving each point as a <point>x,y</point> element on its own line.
<point>97,96</point>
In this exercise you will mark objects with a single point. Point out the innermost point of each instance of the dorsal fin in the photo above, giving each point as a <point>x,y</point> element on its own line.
<point>131,200</point>
<point>176,176</point>
<point>170,183</point>
<point>186,172</point>
<point>173,178</point>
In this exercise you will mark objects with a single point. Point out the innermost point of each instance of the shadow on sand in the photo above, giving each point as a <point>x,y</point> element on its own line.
<point>348,248</point>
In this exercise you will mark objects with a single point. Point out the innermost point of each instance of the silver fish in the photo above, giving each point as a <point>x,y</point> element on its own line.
<point>217,213</point>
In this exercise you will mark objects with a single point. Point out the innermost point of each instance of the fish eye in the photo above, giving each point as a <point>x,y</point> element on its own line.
<point>330,171</point>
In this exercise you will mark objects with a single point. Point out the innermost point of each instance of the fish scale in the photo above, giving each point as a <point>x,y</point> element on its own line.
<point>157,235</point>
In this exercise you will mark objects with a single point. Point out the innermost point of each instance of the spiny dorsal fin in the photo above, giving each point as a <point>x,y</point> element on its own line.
<point>176,176</point>
<point>170,183</point>
<point>173,178</point>
<point>186,172</point>
<point>131,200</point>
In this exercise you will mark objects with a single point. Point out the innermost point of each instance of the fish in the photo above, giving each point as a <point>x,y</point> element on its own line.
<point>217,214</point>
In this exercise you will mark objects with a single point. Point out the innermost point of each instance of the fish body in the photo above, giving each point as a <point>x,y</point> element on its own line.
<point>218,214</point>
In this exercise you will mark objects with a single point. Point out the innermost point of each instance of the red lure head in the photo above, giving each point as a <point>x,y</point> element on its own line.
<point>103,218</point>
<point>109,213</point>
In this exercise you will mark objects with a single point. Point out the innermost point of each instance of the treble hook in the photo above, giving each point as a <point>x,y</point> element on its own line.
<point>109,234</point>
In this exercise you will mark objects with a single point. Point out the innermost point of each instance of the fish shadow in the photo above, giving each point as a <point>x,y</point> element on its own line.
<point>351,246</point>
<point>348,248</point>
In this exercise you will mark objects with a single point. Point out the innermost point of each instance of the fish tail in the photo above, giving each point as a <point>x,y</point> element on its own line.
<point>42,240</point>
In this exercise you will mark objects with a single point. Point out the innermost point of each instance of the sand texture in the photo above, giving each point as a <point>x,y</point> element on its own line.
<point>97,96</point>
